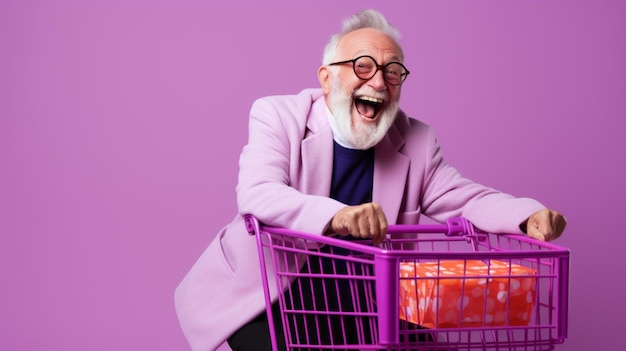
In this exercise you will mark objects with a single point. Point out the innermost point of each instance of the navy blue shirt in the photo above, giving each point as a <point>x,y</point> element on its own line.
<point>353,175</point>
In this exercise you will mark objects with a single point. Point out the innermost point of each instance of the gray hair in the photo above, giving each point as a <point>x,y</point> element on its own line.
<point>363,19</point>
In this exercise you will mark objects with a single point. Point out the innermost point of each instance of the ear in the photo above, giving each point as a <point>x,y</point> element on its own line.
<point>324,76</point>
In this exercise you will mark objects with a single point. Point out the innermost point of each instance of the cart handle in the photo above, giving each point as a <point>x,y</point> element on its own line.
<point>455,226</point>
<point>459,226</point>
<point>252,224</point>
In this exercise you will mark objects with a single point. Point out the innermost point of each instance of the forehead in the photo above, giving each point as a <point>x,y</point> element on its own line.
<point>369,41</point>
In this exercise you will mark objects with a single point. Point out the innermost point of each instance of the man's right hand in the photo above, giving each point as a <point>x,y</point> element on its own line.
<point>362,221</point>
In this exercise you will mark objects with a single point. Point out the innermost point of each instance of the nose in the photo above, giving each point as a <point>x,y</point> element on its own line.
<point>377,82</point>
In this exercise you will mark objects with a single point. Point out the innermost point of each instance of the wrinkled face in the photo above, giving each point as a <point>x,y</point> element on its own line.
<point>364,109</point>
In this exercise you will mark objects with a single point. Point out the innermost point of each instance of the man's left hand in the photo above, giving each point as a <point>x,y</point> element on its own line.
<point>545,225</point>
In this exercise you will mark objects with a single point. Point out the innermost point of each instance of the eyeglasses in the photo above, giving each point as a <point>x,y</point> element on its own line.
<point>365,67</point>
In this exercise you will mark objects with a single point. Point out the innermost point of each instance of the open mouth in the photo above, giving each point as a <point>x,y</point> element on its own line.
<point>368,106</point>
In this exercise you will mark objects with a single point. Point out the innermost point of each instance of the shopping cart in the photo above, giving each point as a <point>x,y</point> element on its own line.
<point>336,294</point>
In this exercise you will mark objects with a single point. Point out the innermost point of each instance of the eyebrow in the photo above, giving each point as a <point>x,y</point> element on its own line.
<point>394,58</point>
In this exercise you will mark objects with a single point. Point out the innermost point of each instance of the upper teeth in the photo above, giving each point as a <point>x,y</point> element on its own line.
<point>371,99</point>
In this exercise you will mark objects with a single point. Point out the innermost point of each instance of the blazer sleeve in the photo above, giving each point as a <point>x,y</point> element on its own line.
<point>277,127</point>
<point>447,194</point>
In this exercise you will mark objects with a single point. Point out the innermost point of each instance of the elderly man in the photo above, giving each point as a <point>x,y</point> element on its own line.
<point>341,160</point>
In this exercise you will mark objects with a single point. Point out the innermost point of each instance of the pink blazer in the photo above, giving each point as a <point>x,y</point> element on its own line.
<point>284,180</point>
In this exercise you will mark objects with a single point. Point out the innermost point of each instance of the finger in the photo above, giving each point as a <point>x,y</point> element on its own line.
<point>550,234</point>
<point>379,222</point>
<point>367,221</point>
<point>356,220</point>
<point>559,226</point>
<point>342,222</point>
<point>374,226</point>
<point>546,224</point>
<point>534,233</point>
<point>376,222</point>
<point>376,229</point>
<point>557,222</point>
<point>382,224</point>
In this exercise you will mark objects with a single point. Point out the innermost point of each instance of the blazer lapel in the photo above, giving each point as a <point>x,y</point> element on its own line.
<point>390,172</point>
<point>317,152</point>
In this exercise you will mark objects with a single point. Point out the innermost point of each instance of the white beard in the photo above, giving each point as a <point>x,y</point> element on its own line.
<point>361,136</point>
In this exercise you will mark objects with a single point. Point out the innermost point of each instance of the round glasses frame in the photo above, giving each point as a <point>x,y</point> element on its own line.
<point>372,72</point>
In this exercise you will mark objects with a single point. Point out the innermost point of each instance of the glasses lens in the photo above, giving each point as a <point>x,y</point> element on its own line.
<point>395,73</point>
<point>365,67</point>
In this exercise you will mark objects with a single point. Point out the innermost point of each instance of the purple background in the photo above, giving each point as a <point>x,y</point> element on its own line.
<point>121,123</point>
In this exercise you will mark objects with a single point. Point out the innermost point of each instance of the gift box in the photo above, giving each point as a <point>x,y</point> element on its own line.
<point>466,293</point>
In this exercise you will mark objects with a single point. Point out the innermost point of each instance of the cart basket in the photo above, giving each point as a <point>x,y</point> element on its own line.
<point>426,287</point>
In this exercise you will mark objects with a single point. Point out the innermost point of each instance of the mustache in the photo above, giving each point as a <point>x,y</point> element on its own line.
<point>367,91</point>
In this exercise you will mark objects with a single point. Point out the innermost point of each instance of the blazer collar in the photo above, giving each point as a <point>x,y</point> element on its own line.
<point>391,169</point>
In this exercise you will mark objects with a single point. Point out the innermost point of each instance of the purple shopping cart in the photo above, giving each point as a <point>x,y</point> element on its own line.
<point>427,287</point>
